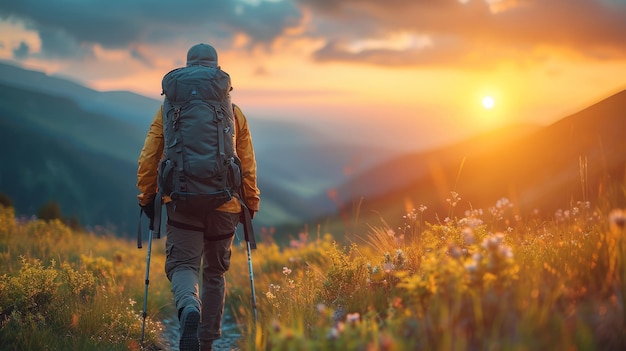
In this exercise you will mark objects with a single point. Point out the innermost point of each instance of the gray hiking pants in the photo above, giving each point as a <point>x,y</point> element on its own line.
<point>187,245</point>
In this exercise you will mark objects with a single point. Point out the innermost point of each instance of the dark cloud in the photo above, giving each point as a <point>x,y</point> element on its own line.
<point>56,43</point>
<point>138,55</point>
<point>469,32</point>
<point>443,54</point>
<point>266,21</point>
<point>22,51</point>
<point>474,32</point>
<point>66,25</point>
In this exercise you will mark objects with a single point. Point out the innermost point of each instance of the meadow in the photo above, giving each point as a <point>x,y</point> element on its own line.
<point>478,279</point>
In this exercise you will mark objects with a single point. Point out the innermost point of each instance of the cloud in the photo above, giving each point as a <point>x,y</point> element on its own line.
<point>67,26</point>
<point>57,43</point>
<point>457,32</point>
<point>22,51</point>
<point>470,32</point>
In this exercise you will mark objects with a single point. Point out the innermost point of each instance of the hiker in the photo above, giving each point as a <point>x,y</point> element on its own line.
<point>197,233</point>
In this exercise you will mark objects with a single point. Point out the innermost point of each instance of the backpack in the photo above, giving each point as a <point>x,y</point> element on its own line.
<point>199,170</point>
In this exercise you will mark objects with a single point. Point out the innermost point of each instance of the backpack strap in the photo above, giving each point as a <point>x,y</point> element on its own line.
<point>219,116</point>
<point>158,201</point>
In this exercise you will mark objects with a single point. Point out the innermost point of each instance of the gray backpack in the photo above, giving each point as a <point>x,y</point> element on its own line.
<point>200,170</point>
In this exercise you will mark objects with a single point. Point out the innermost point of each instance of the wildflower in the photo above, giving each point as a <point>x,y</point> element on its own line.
<point>353,318</point>
<point>132,302</point>
<point>397,303</point>
<point>454,200</point>
<point>269,295</point>
<point>454,251</point>
<point>422,208</point>
<point>471,267</point>
<point>387,257</point>
<point>492,242</point>
<point>286,271</point>
<point>400,257</point>
<point>617,219</point>
<point>336,331</point>
<point>468,236</point>
<point>276,325</point>
<point>388,267</point>
<point>503,202</point>
<point>506,252</point>
<point>477,257</point>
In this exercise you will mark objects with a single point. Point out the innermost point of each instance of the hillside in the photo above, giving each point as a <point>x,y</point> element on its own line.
<point>121,105</point>
<point>53,150</point>
<point>535,168</point>
<point>79,147</point>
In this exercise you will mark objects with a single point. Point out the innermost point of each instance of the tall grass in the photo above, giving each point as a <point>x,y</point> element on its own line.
<point>481,279</point>
<point>63,289</point>
<point>486,280</point>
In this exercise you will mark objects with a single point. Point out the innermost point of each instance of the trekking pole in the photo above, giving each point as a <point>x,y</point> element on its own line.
<point>248,232</point>
<point>253,300</point>
<point>145,293</point>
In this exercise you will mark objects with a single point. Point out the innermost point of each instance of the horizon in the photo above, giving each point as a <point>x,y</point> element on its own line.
<point>418,71</point>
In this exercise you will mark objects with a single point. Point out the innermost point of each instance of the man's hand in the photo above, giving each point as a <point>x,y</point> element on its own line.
<point>149,211</point>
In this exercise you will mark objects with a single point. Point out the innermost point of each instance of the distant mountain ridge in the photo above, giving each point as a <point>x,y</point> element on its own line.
<point>79,147</point>
<point>545,169</point>
<point>123,105</point>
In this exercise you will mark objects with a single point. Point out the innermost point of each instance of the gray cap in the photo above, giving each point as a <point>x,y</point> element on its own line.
<point>202,55</point>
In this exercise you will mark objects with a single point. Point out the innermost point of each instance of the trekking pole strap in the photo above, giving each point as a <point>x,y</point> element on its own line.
<point>139,229</point>
<point>248,230</point>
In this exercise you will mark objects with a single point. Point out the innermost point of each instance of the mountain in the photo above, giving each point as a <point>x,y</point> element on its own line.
<point>64,142</point>
<point>536,168</point>
<point>47,156</point>
<point>125,106</point>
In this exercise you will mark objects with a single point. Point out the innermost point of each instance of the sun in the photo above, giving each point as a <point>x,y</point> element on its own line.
<point>488,102</point>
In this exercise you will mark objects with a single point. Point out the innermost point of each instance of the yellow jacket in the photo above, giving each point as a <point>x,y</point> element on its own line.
<point>152,152</point>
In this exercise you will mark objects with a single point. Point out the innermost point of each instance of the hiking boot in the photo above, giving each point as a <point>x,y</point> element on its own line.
<point>189,320</point>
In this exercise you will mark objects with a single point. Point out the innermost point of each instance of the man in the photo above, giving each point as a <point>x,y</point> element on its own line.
<point>192,238</point>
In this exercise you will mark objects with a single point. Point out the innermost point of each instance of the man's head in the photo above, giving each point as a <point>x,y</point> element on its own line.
<point>202,55</point>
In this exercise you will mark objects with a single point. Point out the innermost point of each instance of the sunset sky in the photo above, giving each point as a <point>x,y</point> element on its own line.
<point>410,73</point>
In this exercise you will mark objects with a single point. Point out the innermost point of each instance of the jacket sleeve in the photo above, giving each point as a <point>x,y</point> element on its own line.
<point>149,158</point>
<point>245,152</point>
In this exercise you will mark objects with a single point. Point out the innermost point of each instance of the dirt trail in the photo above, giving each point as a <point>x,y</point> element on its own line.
<point>228,341</point>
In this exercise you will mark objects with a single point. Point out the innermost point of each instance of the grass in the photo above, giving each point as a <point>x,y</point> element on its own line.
<point>63,289</point>
<point>486,280</point>
<point>481,279</point>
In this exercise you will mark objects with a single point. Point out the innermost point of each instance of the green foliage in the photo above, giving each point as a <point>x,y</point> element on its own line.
<point>69,290</point>
<point>82,159</point>
<point>5,200</point>
<point>49,211</point>
<point>487,280</point>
